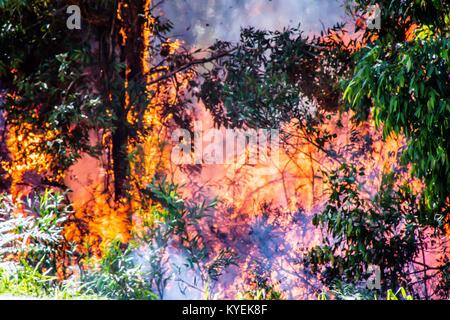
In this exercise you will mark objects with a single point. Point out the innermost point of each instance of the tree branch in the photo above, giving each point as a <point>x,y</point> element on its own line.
<point>189,65</point>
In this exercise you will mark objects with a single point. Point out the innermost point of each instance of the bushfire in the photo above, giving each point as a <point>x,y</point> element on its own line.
<point>206,224</point>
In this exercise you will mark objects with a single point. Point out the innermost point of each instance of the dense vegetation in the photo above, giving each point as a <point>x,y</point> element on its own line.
<point>401,80</point>
<point>64,85</point>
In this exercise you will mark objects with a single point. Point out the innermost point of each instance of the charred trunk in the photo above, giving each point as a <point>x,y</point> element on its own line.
<point>121,165</point>
<point>132,24</point>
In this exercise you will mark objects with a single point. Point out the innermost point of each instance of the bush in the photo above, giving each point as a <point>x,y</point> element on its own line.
<point>116,276</point>
<point>35,256</point>
<point>31,232</point>
<point>359,232</point>
<point>23,280</point>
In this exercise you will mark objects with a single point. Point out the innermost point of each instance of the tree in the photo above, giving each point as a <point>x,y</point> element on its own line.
<point>403,81</point>
<point>114,77</point>
<point>385,232</point>
<point>276,77</point>
<point>272,77</point>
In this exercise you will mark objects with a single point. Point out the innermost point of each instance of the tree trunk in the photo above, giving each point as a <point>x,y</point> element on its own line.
<point>132,24</point>
<point>121,165</point>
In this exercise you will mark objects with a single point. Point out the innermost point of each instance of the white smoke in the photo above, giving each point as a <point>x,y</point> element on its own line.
<point>201,22</point>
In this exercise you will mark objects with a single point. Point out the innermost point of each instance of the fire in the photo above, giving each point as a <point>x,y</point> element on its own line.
<point>297,179</point>
<point>121,5</point>
<point>107,220</point>
<point>247,197</point>
<point>110,222</point>
<point>152,154</point>
<point>24,146</point>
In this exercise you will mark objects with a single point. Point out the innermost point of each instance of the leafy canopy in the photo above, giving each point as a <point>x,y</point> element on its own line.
<point>405,85</point>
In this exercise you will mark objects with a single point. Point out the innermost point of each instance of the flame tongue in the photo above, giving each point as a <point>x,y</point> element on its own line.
<point>104,219</point>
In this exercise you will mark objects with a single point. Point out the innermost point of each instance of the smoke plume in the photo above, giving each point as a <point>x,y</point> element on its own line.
<point>201,22</point>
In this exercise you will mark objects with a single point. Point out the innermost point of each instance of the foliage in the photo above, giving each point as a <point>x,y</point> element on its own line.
<point>347,291</point>
<point>64,84</point>
<point>26,281</point>
<point>116,276</point>
<point>280,79</point>
<point>35,245</point>
<point>399,295</point>
<point>360,232</point>
<point>175,220</point>
<point>405,86</point>
<point>40,78</point>
<point>401,80</point>
<point>261,287</point>
<point>273,77</point>
<point>408,90</point>
<point>33,251</point>
<point>35,238</point>
<point>177,214</point>
<point>398,17</point>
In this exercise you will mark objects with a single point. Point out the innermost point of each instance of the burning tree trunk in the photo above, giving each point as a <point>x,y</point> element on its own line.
<point>121,164</point>
<point>4,183</point>
<point>131,22</point>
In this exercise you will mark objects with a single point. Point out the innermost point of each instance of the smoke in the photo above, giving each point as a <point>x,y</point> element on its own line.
<point>269,241</point>
<point>200,23</point>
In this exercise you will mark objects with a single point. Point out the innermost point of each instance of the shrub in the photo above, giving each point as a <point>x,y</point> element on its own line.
<point>116,276</point>
<point>34,237</point>
<point>359,231</point>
